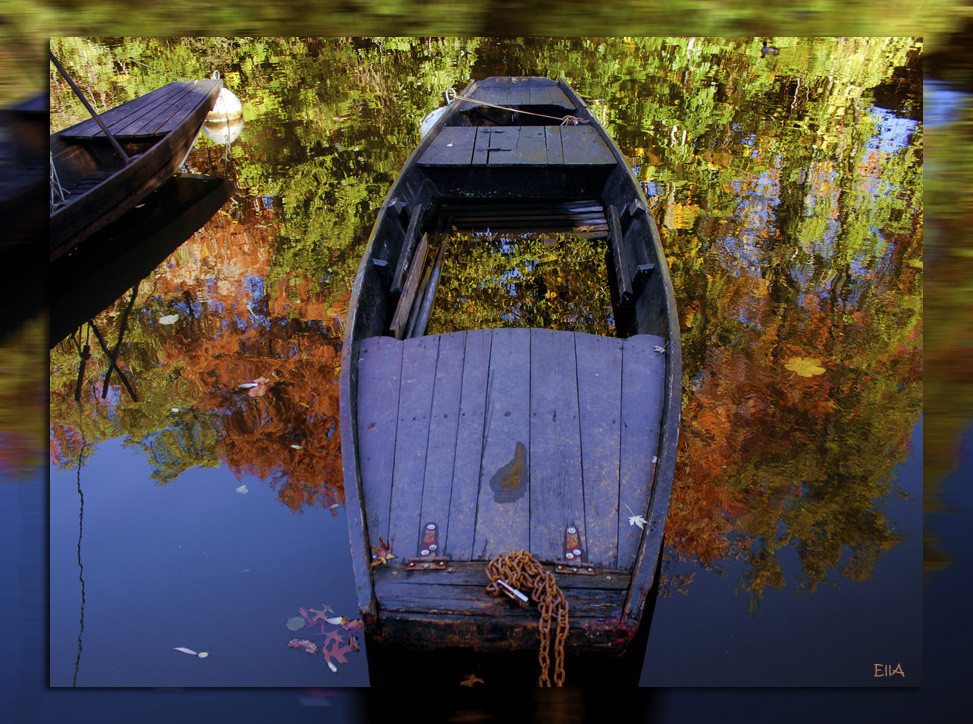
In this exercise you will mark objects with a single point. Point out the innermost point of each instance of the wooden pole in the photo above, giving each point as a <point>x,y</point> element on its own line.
<point>101,124</point>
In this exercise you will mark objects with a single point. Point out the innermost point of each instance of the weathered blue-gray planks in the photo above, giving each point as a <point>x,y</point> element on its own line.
<point>503,508</point>
<point>411,439</point>
<point>556,497</point>
<point>380,365</point>
<point>451,147</point>
<point>469,446</point>
<point>150,114</point>
<point>643,369</point>
<point>600,403</point>
<point>584,147</point>
<point>506,437</point>
<point>438,475</point>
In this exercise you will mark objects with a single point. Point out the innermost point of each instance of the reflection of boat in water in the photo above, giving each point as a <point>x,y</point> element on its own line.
<point>94,183</point>
<point>465,447</point>
<point>129,249</point>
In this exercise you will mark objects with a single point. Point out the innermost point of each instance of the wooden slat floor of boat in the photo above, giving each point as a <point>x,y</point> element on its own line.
<point>522,92</point>
<point>152,114</point>
<point>534,146</point>
<point>506,437</point>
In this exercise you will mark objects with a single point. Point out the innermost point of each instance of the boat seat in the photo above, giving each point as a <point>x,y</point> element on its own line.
<point>517,146</point>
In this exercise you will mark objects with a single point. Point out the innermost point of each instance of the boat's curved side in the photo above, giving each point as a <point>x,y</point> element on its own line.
<point>362,322</point>
<point>650,549</point>
<point>74,222</point>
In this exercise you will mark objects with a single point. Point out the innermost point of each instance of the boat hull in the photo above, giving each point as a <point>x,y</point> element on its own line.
<point>474,435</point>
<point>105,186</point>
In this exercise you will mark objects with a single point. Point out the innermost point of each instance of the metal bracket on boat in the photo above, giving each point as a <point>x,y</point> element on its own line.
<point>424,564</point>
<point>574,568</point>
<point>427,560</point>
<point>572,552</point>
<point>572,543</point>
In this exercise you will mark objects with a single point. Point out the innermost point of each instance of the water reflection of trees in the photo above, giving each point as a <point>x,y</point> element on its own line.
<point>792,215</point>
<point>193,411</point>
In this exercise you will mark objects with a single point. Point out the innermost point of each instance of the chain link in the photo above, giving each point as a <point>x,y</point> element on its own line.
<point>524,572</point>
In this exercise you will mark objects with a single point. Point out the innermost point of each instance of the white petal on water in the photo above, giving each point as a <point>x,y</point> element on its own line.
<point>332,666</point>
<point>169,319</point>
<point>297,447</point>
<point>242,490</point>
<point>336,620</point>
<point>175,409</point>
<point>184,650</point>
<point>203,654</point>
<point>246,385</point>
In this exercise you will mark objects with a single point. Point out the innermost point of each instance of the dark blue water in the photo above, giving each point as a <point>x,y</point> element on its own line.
<point>192,564</point>
<point>833,637</point>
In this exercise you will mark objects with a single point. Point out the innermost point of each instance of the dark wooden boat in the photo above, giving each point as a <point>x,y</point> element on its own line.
<point>94,185</point>
<point>464,446</point>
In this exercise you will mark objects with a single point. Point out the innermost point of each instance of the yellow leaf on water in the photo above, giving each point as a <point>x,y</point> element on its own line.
<point>804,366</point>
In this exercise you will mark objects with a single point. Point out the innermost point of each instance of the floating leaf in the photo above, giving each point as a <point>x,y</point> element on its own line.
<point>184,650</point>
<point>319,615</point>
<point>804,366</point>
<point>295,623</point>
<point>309,647</point>
<point>169,319</point>
<point>355,625</point>
<point>471,680</point>
<point>337,652</point>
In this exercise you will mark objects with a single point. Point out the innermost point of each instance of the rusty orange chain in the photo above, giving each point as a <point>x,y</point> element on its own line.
<point>521,571</point>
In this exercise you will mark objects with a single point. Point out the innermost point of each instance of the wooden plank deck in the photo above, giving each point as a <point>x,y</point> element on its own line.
<point>517,146</point>
<point>155,113</point>
<point>506,437</point>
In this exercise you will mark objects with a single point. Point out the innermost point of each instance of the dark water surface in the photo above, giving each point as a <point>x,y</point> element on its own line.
<point>206,510</point>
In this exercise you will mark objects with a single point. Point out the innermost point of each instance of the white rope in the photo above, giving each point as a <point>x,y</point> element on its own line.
<point>452,95</point>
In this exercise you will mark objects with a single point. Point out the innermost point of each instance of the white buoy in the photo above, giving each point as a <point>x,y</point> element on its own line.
<point>227,107</point>
<point>225,122</point>
<point>223,132</point>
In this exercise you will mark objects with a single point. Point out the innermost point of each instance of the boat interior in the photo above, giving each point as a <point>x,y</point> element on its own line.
<point>478,442</point>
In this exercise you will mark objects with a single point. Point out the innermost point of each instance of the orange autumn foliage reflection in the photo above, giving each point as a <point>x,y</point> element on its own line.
<point>229,332</point>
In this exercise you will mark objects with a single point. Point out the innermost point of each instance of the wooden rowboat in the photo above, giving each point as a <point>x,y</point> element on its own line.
<point>464,446</point>
<point>93,185</point>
